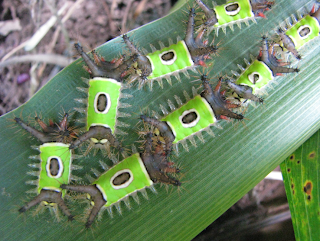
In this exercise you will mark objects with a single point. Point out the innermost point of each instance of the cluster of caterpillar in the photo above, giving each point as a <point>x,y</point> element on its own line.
<point>101,109</point>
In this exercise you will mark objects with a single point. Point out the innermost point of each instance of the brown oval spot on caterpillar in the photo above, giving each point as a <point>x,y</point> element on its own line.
<point>312,155</point>
<point>232,9</point>
<point>289,170</point>
<point>292,157</point>
<point>305,31</point>
<point>167,56</point>
<point>121,178</point>
<point>189,118</point>
<point>254,77</point>
<point>54,166</point>
<point>308,188</point>
<point>102,102</point>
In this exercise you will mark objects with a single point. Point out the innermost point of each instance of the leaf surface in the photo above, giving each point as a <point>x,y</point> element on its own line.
<point>216,173</point>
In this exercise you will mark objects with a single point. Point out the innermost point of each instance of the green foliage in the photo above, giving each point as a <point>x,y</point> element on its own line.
<point>301,178</point>
<point>216,174</point>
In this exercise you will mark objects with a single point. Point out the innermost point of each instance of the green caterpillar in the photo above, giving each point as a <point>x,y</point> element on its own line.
<point>194,116</point>
<point>102,104</point>
<point>301,32</point>
<point>258,74</point>
<point>55,164</point>
<point>134,173</point>
<point>233,12</point>
<point>185,54</point>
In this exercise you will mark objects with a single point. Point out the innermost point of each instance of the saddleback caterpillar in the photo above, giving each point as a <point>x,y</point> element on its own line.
<point>185,54</point>
<point>191,118</point>
<point>135,173</point>
<point>233,12</point>
<point>301,32</point>
<point>55,164</point>
<point>102,103</point>
<point>258,74</point>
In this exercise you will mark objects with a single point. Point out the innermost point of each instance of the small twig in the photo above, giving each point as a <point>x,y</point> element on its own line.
<point>8,55</point>
<point>46,58</point>
<point>33,80</point>
<point>140,8</point>
<point>42,31</point>
<point>60,24</point>
<point>57,32</point>
<point>109,16</point>
<point>125,16</point>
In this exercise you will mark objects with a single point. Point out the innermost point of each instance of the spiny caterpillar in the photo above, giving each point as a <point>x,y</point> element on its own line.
<point>258,74</point>
<point>102,103</point>
<point>233,12</point>
<point>55,164</point>
<point>133,174</point>
<point>301,32</point>
<point>185,54</point>
<point>194,116</point>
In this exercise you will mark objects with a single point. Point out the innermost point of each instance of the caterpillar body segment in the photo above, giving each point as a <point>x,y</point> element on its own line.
<point>169,60</point>
<point>102,103</point>
<point>133,174</point>
<point>54,167</point>
<point>259,74</point>
<point>179,57</point>
<point>301,32</point>
<point>196,115</point>
<point>233,12</point>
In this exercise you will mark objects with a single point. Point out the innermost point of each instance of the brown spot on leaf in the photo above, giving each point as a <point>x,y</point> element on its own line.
<point>309,197</point>
<point>308,188</point>
<point>298,162</point>
<point>312,155</point>
<point>291,157</point>
<point>289,170</point>
<point>292,186</point>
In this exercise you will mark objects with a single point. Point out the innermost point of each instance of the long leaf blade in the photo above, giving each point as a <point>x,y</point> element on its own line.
<point>217,173</point>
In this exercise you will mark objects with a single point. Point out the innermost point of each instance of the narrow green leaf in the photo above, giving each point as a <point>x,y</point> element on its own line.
<point>216,173</point>
<point>301,178</point>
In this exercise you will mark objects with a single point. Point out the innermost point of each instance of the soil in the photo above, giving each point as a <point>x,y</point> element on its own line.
<point>91,23</point>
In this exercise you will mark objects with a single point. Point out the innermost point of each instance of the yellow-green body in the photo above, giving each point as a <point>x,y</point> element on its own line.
<point>138,173</point>
<point>205,118</point>
<point>225,18</point>
<point>110,88</point>
<point>181,60</point>
<point>59,151</point>
<point>258,67</point>
<point>308,21</point>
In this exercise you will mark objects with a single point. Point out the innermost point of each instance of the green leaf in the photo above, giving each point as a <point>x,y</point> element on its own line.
<point>301,178</point>
<point>216,174</point>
